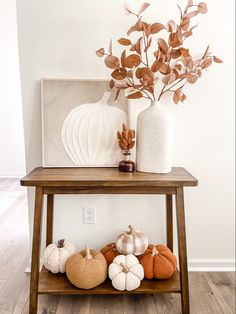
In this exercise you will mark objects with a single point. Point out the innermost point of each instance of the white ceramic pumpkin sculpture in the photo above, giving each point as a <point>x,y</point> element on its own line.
<point>56,256</point>
<point>126,272</point>
<point>132,242</point>
<point>89,133</point>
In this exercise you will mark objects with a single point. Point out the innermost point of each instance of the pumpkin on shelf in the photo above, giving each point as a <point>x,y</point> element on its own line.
<point>86,269</point>
<point>132,242</point>
<point>56,256</point>
<point>109,252</point>
<point>158,262</point>
<point>126,272</point>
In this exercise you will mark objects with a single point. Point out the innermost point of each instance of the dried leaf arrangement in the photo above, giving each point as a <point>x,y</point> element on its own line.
<point>126,143</point>
<point>170,64</point>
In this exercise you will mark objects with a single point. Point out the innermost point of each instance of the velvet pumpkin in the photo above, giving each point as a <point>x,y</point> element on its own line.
<point>126,272</point>
<point>158,262</point>
<point>109,252</point>
<point>132,242</point>
<point>86,269</point>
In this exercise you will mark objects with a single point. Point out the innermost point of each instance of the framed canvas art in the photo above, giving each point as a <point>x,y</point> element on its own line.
<point>80,119</point>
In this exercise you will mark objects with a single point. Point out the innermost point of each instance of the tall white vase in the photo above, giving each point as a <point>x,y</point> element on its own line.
<point>154,139</point>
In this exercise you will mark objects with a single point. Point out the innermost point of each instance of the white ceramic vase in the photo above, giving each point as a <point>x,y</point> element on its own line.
<point>154,139</point>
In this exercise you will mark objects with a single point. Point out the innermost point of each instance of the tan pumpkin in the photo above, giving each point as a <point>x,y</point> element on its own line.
<point>86,269</point>
<point>132,242</point>
<point>109,252</point>
<point>158,262</point>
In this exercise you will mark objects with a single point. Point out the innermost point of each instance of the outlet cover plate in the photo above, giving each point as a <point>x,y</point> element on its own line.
<point>89,213</point>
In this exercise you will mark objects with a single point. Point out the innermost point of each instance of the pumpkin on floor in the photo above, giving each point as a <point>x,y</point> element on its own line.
<point>158,262</point>
<point>126,272</point>
<point>110,252</point>
<point>86,269</point>
<point>56,256</point>
<point>132,242</point>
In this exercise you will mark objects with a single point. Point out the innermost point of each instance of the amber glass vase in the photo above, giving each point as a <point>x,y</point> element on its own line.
<point>126,165</point>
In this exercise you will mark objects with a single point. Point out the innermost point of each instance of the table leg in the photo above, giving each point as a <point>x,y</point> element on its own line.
<point>182,250</point>
<point>35,257</point>
<point>49,232</point>
<point>169,221</point>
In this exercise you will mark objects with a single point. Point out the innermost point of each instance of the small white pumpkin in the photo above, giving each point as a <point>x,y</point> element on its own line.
<point>56,256</point>
<point>126,272</point>
<point>132,242</point>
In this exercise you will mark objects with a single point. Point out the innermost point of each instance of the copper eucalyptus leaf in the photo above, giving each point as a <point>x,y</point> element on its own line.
<point>164,69</point>
<point>187,34</point>
<point>192,14</point>
<point>217,60</point>
<point>176,98</point>
<point>175,53</point>
<point>119,74</point>
<point>123,59</point>
<point>131,30</point>
<point>156,66</point>
<point>100,52</point>
<point>138,46</point>
<point>206,63</point>
<point>133,61</point>
<point>135,95</point>
<point>112,62</point>
<point>156,28</point>
<point>202,8</point>
<point>111,84</point>
<point>124,41</point>
<point>162,44</point>
<point>192,79</point>
<point>190,3</point>
<point>185,23</point>
<point>171,26</point>
<point>143,7</point>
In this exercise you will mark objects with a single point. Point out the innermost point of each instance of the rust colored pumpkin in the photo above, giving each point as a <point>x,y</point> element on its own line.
<point>109,252</point>
<point>158,262</point>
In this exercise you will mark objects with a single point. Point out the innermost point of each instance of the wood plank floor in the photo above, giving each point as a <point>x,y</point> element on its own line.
<point>209,292</point>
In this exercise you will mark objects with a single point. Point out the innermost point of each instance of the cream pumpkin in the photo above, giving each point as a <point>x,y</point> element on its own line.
<point>56,256</point>
<point>86,269</point>
<point>126,273</point>
<point>132,242</point>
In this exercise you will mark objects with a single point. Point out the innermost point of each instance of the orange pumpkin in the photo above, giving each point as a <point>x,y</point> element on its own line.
<point>110,252</point>
<point>158,262</point>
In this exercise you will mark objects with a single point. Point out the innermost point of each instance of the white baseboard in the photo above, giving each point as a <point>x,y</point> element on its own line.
<point>12,174</point>
<point>211,264</point>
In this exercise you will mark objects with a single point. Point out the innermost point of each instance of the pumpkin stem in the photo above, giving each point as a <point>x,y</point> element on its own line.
<point>125,268</point>
<point>131,229</point>
<point>154,251</point>
<point>60,243</point>
<point>88,255</point>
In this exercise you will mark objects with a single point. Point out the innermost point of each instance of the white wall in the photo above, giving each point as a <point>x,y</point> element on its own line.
<point>59,39</point>
<point>12,155</point>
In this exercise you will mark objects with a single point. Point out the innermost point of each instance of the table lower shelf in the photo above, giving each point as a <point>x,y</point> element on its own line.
<point>59,284</point>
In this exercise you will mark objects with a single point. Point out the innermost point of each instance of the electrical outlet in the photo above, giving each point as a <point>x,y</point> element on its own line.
<point>89,214</point>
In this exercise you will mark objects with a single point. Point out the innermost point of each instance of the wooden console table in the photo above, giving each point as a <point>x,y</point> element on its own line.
<point>107,181</point>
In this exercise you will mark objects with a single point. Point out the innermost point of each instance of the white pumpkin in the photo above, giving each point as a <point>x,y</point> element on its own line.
<point>89,133</point>
<point>126,273</point>
<point>132,242</point>
<point>56,256</point>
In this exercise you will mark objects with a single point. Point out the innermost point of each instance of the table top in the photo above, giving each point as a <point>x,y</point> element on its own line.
<point>101,177</point>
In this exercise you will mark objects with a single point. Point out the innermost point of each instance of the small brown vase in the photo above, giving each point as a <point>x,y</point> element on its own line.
<point>126,165</point>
